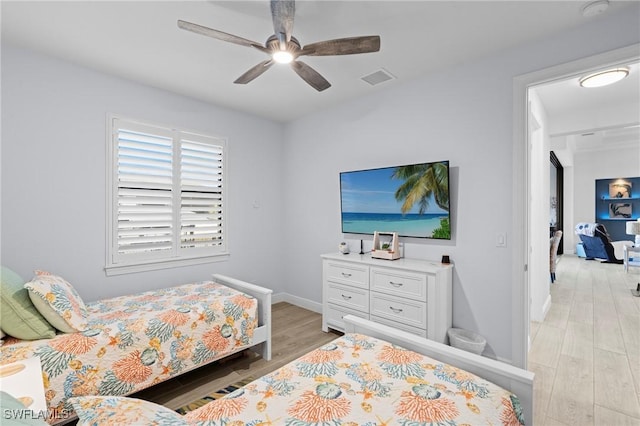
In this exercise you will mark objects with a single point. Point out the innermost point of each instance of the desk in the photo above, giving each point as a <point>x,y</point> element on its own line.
<point>634,254</point>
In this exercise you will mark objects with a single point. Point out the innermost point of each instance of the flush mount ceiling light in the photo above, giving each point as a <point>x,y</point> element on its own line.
<point>604,78</point>
<point>595,8</point>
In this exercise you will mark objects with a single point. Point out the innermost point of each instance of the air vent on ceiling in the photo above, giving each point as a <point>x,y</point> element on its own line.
<point>378,77</point>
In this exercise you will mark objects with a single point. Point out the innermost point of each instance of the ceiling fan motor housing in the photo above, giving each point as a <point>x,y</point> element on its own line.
<point>273,44</point>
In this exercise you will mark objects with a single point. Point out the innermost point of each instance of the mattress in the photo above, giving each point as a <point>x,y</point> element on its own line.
<point>139,340</point>
<point>360,380</point>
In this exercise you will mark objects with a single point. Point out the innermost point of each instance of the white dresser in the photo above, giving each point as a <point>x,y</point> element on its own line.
<point>411,294</point>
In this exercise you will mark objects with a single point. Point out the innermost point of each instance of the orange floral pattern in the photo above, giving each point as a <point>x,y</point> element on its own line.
<point>424,404</point>
<point>130,369</point>
<point>75,343</point>
<point>132,342</point>
<point>214,340</point>
<point>368,383</point>
<point>228,407</point>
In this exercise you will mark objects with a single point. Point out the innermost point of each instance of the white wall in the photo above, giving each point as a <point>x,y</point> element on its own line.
<point>569,237</point>
<point>444,117</point>
<point>464,115</point>
<point>540,166</point>
<point>53,175</point>
<point>592,165</point>
<point>585,167</point>
<point>583,120</point>
<point>53,143</point>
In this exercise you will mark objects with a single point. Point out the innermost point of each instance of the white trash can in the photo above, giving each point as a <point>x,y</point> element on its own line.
<point>466,340</point>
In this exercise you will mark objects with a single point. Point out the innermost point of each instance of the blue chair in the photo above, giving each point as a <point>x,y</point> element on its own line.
<point>599,246</point>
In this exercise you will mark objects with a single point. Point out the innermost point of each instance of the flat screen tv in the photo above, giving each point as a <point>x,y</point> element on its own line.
<point>412,200</point>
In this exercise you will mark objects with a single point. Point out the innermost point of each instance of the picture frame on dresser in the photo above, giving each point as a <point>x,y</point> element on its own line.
<point>413,295</point>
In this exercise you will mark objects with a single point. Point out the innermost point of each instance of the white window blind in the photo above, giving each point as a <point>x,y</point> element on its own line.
<point>167,198</point>
<point>201,211</point>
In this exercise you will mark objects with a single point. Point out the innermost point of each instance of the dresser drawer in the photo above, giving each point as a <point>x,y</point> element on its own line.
<point>334,316</point>
<point>404,284</point>
<point>348,297</point>
<point>402,310</point>
<point>418,331</point>
<point>347,273</point>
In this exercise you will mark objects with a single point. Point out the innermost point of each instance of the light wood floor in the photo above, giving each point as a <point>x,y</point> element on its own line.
<point>586,353</point>
<point>295,331</point>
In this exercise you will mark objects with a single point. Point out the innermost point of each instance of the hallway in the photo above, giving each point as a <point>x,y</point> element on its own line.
<point>586,353</point>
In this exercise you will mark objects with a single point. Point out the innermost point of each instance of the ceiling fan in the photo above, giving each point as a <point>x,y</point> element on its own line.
<point>284,48</point>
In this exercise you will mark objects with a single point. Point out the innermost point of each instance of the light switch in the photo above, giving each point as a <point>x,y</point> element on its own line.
<point>501,239</point>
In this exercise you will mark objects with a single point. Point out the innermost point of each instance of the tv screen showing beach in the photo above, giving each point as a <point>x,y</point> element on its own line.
<point>412,200</point>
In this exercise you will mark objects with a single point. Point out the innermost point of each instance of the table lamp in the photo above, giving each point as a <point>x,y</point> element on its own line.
<point>633,228</point>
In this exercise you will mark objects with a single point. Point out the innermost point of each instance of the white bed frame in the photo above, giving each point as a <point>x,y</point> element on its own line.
<point>262,333</point>
<point>516,380</point>
<point>261,343</point>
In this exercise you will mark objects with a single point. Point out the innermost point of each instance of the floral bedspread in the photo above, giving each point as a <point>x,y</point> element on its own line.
<point>359,380</point>
<point>139,340</point>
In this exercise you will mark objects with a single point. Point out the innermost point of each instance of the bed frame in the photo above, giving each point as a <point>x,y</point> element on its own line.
<point>516,380</point>
<point>261,343</point>
<point>262,333</point>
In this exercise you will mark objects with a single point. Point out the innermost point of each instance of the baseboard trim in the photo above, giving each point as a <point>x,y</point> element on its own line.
<point>298,301</point>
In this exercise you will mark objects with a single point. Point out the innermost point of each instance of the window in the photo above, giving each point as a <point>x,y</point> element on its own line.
<point>166,197</point>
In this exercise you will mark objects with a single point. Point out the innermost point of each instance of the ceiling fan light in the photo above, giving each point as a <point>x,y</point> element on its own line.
<point>604,78</point>
<point>282,57</point>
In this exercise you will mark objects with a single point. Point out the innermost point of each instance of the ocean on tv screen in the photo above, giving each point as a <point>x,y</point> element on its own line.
<point>408,225</point>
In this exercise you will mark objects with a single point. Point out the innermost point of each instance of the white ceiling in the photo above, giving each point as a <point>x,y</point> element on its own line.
<point>140,41</point>
<point>592,119</point>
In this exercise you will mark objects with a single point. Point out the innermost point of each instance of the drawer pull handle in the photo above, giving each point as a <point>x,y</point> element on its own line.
<point>346,297</point>
<point>396,285</point>
<point>395,310</point>
<point>344,274</point>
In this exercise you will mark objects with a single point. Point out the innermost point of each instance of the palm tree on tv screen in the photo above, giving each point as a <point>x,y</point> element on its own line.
<point>421,181</point>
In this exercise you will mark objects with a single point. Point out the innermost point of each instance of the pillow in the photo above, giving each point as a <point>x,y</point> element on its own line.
<point>10,405</point>
<point>58,302</point>
<point>121,410</point>
<point>18,317</point>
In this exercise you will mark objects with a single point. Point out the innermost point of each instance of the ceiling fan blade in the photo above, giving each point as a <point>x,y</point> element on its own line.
<point>210,32</point>
<point>282,13</point>
<point>254,72</point>
<point>310,75</point>
<point>342,46</point>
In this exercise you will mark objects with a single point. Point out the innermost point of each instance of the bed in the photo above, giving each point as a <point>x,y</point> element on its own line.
<point>135,341</point>
<point>373,375</point>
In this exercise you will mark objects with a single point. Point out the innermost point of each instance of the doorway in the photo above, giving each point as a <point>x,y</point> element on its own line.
<point>523,252</point>
<point>556,199</point>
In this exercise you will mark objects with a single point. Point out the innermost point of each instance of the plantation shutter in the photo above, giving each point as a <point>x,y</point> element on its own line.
<point>201,211</point>
<point>167,199</point>
<point>145,183</point>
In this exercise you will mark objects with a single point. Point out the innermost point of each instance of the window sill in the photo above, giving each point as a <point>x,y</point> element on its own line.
<point>154,265</point>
